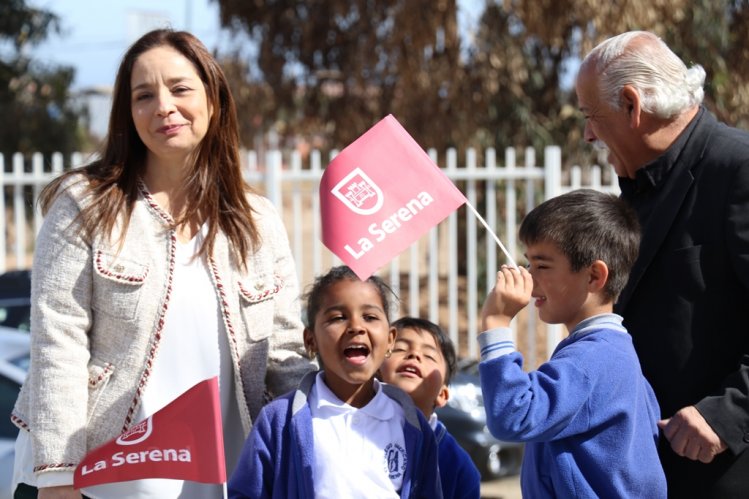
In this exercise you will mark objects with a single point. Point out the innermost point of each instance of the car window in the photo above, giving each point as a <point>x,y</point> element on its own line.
<point>8,394</point>
<point>21,362</point>
<point>15,313</point>
<point>15,299</point>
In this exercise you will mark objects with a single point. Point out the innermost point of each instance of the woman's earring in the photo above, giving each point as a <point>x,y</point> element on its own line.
<point>310,354</point>
<point>388,353</point>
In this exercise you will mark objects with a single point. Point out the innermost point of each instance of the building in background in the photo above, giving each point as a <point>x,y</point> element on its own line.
<point>97,102</point>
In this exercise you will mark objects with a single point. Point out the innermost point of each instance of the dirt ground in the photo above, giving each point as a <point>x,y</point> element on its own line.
<point>503,488</point>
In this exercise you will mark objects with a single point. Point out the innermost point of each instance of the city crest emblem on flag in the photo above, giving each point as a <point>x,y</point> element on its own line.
<point>359,193</point>
<point>137,433</point>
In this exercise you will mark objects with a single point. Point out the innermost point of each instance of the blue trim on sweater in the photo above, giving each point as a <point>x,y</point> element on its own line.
<point>496,343</point>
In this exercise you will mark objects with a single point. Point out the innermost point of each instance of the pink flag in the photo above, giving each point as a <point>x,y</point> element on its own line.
<point>379,195</point>
<point>184,440</point>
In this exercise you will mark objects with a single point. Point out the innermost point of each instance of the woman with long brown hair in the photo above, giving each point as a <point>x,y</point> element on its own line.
<point>156,267</point>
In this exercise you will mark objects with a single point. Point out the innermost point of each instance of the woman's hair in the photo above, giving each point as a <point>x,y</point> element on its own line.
<point>639,58</point>
<point>440,337</point>
<point>214,184</point>
<point>314,296</point>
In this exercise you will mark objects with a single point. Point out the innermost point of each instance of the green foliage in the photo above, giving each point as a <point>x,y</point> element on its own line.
<point>332,68</point>
<point>519,98</point>
<point>711,33</point>
<point>35,102</point>
<point>22,25</point>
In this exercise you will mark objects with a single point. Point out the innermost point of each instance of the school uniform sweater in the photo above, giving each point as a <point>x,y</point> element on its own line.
<point>278,457</point>
<point>588,416</point>
<point>460,477</point>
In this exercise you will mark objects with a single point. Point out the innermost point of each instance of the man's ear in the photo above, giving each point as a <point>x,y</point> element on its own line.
<point>442,397</point>
<point>598,276</point>
<point>632,105</point>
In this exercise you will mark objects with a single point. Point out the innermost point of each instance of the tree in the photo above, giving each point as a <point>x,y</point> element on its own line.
<point>524,46</point>
<point>519,94</point>
<point>333,68</point>
<point>330,69</point>
<point>34,100</point>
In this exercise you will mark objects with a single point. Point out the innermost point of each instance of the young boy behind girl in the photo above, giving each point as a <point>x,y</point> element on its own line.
<point>588,415</point>
<point>422,363</point>
<point>342,433</point>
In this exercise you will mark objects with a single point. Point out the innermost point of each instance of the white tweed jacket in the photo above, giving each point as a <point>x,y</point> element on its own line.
<point>97,315</point>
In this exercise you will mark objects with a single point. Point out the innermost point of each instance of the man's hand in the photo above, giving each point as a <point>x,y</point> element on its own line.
<point>690,435</point>
<point>61,492</point>
<point>510,295</point>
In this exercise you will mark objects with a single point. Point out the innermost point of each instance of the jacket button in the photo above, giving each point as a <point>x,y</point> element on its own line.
<point>746,437</point>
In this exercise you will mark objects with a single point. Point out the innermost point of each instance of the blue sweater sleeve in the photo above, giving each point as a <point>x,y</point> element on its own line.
<point>254,474</point>
<point>546,404</point>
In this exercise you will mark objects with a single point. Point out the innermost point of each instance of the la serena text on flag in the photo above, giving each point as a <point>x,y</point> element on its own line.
<point>379,195</point>
<point>184,440</point>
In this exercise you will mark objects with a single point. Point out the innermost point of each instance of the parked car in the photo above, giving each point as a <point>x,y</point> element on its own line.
<point>465,419</point>
<point>14,363</point>
<point>15,299</point>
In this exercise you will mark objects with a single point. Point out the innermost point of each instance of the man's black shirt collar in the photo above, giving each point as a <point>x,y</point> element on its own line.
<point>652,176</point>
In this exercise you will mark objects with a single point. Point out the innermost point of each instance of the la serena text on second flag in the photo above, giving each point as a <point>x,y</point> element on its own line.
<point>184,440</point>
<point>379,195</point>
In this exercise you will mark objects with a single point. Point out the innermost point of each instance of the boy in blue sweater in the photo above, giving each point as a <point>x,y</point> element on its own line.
<point>588,416</point>
<point>421,364</point>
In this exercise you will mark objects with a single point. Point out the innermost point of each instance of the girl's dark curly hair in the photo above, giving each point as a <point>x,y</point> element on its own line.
<point>314,296</point>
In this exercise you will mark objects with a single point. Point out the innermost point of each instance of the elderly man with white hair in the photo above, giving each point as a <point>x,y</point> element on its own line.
<point>687,300</point>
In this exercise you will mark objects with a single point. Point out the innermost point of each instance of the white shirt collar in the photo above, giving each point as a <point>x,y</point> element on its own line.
<point>323,400</point>
<point>433,420</point>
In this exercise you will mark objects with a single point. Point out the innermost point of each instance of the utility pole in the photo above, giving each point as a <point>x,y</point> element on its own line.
<point>188,15</point>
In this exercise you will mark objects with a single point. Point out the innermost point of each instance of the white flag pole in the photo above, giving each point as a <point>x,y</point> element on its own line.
<point>501,246</point>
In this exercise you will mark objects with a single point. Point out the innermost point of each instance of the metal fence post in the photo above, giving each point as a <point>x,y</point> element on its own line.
<point>552,171</point>
<point>273,172</point>
<point>552,188</point>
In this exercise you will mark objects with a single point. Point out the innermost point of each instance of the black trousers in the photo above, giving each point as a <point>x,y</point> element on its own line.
<point>24,491</point>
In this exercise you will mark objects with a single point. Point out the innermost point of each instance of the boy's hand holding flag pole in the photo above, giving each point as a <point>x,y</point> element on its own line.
<point>380,194</point>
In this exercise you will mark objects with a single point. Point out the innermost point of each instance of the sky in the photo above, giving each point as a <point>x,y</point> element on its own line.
<point>96,34</point>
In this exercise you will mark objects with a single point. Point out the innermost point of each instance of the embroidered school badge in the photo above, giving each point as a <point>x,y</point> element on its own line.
<point>395,461</point>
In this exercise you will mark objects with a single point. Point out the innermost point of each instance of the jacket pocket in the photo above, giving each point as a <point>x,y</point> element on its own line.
<point>99,374</point>
<point>256,295</point>
<point>117,285</point>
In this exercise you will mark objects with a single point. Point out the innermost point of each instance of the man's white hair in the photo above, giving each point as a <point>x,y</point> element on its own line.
<point>665,85</point>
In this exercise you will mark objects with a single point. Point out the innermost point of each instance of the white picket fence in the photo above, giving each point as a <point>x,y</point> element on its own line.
<point>436,278</point>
